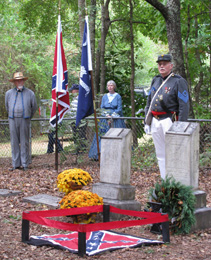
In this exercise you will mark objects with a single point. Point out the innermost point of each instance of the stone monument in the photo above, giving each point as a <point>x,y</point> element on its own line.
<point>182,162</point>
<point>115,169</point>
<point>182,152</point>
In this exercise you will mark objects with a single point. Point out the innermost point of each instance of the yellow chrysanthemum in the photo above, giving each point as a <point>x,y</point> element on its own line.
<point>80,198</point>
<point>77,176</point>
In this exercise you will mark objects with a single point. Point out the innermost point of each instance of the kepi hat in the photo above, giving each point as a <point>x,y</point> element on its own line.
<point>18,76</point>
<point>74,87</point>
<point>164,57</point>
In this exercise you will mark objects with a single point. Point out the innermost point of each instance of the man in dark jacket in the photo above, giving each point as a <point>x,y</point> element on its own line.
<point>21,105</point>
<point>170,103</point>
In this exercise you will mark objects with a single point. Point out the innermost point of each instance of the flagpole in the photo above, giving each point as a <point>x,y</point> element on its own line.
<point>59,92</point>
<point>56,141</point>
<point>94,105</point>
<point>95,116</point>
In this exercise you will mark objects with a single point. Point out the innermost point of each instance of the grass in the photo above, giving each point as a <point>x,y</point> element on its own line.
<point>39,146</point>
<point>143,156</point>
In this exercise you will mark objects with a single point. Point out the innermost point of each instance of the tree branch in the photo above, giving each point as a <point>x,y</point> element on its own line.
<point>160,7</point>
<point>107,3</point>
<point>201,13</point>
<point>123,20</point>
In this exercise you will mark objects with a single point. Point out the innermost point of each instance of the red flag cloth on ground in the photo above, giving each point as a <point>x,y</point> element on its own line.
<point>96,241</point>
<point>59,80</point>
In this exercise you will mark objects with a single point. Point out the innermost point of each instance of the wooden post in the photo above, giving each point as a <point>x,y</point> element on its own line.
<point>106,213</point>
<point>25,231</point>
<point>165,231</point>
<point>81,243</point>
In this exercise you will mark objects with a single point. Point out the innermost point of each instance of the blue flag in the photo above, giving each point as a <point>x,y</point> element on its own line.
<point>85,100</point>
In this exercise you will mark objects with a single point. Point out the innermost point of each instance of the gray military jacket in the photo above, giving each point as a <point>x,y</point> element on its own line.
<point>172,97</point>
<point>28,101</point>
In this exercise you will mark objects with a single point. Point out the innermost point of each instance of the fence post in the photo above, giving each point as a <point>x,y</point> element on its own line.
<point>30,142</point>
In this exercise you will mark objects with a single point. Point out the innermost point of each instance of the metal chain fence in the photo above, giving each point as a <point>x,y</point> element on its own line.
<point>74,143</point>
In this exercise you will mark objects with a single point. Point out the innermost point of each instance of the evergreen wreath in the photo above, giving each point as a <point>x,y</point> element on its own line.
<point>178,201</point>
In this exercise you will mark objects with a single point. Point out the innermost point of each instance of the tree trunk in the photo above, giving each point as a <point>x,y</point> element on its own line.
<point>92,18</point>
<point>97,68</point>
<point>105,20</point>
<point>171,14</point>
<point>191,112</point>
<point>201,74</point>
<point>102,50</point>
<point>81,12</point>
<point>210,52</point>
<point>173,27</point>
<point>135,141</point>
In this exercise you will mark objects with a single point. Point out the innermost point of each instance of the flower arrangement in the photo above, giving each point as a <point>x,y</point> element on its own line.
<point>81,198</point>
<point>72,179</point>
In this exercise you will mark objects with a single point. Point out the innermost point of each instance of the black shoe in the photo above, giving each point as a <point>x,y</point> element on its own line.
<point>13,168</point>
<point>25,168</point>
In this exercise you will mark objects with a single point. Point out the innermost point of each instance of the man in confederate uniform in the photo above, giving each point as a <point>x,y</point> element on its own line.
<point>170,103</point>
<point>21,105</point>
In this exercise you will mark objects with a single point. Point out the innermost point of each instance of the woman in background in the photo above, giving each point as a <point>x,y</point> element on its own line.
<point>112,109</point>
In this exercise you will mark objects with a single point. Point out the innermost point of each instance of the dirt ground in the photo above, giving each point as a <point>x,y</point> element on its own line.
<point>39,179</point>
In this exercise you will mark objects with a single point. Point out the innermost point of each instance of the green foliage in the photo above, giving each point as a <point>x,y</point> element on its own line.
<point>205,147</point>
<point>154,27</point>
<point>77,144</point>
<point>146,52</point>
<point>178,201</point>
<point>205,158</point>
<point>42,16</point>
<point>142,156</point>
<point>24,48</point>
<point>118,63</point>
<point>25,53</point>
<point>196,37</point>
<point>119,70</point>
<point>202,111</point>
<point>18,217</point>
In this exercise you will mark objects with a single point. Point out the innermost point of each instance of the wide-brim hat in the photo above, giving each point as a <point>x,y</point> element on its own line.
<point>164,57</point>
<point>18,76</point>
<point>74,87</point>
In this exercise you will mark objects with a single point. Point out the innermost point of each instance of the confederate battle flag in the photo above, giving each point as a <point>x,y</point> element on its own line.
<point>59,80</point>
<point>96,241</point>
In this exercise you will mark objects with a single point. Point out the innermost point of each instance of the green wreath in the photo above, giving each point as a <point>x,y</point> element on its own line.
<point>178,201</point>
